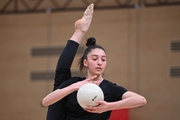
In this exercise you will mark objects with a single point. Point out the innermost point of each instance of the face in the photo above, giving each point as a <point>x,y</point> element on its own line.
<point>96,62</point>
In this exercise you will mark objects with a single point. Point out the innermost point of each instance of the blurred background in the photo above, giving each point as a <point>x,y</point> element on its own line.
<point>141,37</point>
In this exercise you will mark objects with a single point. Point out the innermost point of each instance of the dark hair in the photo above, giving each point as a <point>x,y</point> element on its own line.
<point>91,44</point>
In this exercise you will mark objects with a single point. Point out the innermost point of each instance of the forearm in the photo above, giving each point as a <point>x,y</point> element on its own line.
<point>57,95</point>
<point>129,102</point>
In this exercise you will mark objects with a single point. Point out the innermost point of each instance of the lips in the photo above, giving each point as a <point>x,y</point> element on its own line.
<point>98,68</point>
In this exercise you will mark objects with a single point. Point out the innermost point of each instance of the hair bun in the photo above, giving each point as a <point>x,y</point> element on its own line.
<point>91,41</point>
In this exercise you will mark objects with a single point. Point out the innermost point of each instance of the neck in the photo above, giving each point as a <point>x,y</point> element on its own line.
<point>98,78</point>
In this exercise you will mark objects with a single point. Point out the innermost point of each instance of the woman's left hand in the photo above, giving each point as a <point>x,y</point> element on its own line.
<point>100,108</point>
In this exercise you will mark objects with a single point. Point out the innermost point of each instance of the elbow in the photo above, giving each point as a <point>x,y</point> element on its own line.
<point>143,100</point>
<point>45,103</point>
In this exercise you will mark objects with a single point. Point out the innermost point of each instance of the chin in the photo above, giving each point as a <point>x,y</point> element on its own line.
<point>98,73</point>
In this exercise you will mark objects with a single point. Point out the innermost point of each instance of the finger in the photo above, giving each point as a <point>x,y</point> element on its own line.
<point>89,109</point>
<point>99,102</point>
<point>91,78</point>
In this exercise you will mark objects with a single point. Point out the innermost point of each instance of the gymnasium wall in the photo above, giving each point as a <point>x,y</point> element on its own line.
<point>138,45</point>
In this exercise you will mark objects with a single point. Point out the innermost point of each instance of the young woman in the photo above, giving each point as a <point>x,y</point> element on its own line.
<point>94,62</point>
<point>57,111</point>
<point>115,97</point>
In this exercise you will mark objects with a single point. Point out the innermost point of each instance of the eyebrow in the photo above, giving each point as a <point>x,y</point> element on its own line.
<point>98,55</point>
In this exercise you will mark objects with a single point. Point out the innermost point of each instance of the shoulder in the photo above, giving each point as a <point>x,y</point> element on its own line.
<point>113,90</point>
<point>109,83</point>
<point>112,86</point>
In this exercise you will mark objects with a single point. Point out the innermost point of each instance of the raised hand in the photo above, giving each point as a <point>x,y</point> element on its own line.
<point>84,23</point>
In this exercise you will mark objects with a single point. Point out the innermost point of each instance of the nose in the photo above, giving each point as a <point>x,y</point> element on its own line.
<point>99,62</point>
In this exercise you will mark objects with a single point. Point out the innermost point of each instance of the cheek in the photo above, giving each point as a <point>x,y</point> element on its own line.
<point>91,64</point>
<point>104,65</point>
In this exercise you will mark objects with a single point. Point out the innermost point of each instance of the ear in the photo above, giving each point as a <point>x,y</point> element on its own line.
<point>85,63</point>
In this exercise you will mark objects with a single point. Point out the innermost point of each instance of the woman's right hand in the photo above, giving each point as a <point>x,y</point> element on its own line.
<point>77,85</point>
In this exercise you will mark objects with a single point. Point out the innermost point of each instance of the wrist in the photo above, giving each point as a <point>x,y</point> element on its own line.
<point>111,106</point>
<point>74,87</point>
<point>114,105</point>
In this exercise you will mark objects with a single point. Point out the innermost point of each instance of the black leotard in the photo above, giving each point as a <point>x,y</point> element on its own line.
<point>57,110</point>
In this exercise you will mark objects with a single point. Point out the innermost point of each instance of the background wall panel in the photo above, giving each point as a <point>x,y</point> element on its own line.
<point>138,48</point>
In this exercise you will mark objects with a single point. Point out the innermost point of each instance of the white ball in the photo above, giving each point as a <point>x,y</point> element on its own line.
<point>88,94</point>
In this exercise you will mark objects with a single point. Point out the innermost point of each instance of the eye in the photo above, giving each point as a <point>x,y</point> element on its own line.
<point>103,59</point>
<point>94,58</point>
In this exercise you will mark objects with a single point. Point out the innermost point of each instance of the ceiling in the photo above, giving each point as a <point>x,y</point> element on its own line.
<point>36,6</point>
